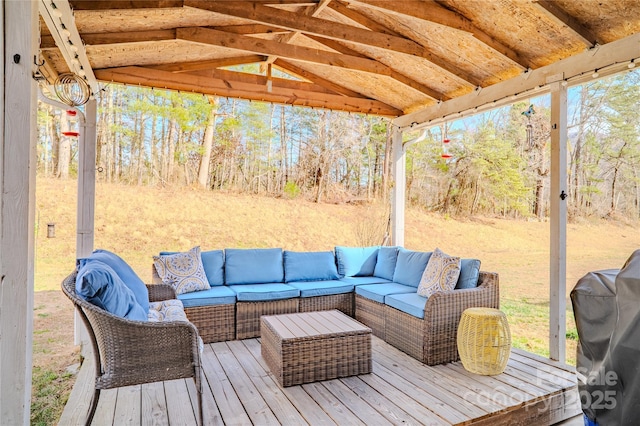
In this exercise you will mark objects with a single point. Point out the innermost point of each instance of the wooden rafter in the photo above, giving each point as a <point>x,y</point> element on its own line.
<point>300,53</point>
<point>337,46</point>
<point>236,80</point>
<point>217,87</point>
<point>210,64</point>
<point>306,24</point>
<point>155,4</point>
<point>332,30</point>
<point>250,29</point>
<point>290,68</point>
<point>433,12</point>
<point>269,47</point>
<point>393,72</point>
<point>559,15</point>
<point>313,11</point>
<point>115,38</point>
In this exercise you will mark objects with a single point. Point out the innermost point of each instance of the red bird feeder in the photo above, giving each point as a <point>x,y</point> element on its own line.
<point>445,149</point>
<point>71,114</point>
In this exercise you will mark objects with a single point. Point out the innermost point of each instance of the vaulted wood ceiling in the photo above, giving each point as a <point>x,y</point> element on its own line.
<point>372,56</point>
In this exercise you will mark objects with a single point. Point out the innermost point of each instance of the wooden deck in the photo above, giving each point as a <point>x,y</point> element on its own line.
<point>240,390</point>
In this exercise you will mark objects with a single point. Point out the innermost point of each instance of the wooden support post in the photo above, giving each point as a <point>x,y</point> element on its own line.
<point>19,27</point>
<point>399,188</point>
<point>86,181</point>
<point>558,223</point>
<point>86,197</point>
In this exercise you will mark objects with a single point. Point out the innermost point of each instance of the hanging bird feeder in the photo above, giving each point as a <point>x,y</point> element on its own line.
<point>445,149</point>
<point>71,121</point>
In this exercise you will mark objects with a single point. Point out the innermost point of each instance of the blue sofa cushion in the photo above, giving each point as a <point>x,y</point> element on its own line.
<point>218,295</point>
<point>125,272</point>
<point>264,292</point>
<point>377,292</point>
<point>253,266</point>
<point>386,263</point>
<point>321,288</point>
<point>99,284</point>
<point>309,266</point>
<point>409,303</point>
<point>410,266</point>
<point>469,274</point>
<point>356,261</point>
<point>364,280</point>
<point>213,263</point>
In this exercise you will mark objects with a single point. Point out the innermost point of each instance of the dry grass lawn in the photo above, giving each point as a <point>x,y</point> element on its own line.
<point>138,222</point>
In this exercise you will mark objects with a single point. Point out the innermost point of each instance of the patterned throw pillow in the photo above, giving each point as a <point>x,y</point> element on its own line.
<point>183,271</point>
<point>167,310</point>
<point>441,274</point>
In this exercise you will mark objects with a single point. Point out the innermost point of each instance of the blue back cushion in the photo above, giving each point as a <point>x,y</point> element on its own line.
<point>253,266</point>
<point>469,273</point>
<point>310,266</point>
<point>386,263</point>
<point>99,284</point>
<point>213,264</point>
<point>125,272</point>
<point>356,261</point>
<point>410,266</point>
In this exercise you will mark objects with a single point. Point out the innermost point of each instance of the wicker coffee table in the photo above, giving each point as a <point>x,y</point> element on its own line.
<point>313,346</point>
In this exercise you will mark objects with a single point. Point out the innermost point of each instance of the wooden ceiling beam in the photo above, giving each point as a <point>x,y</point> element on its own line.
<point>269,47</point>
<point>120,4</point>
<point>337,46</point>
<point>211,86</point>
<point>290,68</point>
<point>47,41</point>
<point>311,25</point>
<point>563,18</point>
<point>156,4</point>
<point>433,12</point>
<point>288,38</point>
<point>236,79</point>
<point>300,53</point>
<point>250,29</point>
<point>331,30</point>
<point>210,64</point>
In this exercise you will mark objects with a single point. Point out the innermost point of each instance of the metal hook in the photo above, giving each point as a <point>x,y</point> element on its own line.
<point>35,61</point>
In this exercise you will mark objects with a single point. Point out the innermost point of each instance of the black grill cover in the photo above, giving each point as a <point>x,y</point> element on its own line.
<point>606,305</point>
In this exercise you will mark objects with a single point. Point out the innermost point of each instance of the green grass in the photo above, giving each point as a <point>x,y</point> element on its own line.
<point>51,392</point>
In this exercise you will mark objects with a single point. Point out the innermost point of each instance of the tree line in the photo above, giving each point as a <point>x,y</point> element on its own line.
<point>498,162</point>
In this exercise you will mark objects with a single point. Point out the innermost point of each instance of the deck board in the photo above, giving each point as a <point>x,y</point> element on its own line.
<point>238,389</point>
<point>128,406</point>
<point>154,406</point>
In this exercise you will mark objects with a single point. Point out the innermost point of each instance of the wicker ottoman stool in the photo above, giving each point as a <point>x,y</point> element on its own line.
<point>484,341</point>
<point>313,346</point>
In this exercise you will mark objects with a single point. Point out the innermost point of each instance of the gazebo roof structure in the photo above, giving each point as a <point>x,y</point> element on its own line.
<point>389,58</point>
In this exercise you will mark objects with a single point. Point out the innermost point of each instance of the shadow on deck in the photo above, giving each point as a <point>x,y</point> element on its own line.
<point>239,389</point>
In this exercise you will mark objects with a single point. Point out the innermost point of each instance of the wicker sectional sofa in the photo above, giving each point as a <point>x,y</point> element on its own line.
<point>376,285</point>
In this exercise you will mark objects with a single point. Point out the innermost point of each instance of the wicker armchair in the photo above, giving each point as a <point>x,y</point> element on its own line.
<point>135,352</point>
<point>433,340</point>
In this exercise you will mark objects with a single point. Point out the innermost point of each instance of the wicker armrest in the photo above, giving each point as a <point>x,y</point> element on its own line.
<point>134,352</point>
<point>486,294</point>
<point>158,292</point>
<point>443,311</point>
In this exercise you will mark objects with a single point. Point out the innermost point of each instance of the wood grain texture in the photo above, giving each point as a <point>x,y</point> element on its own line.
<point>17,200</point>
<point>239,389</point>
